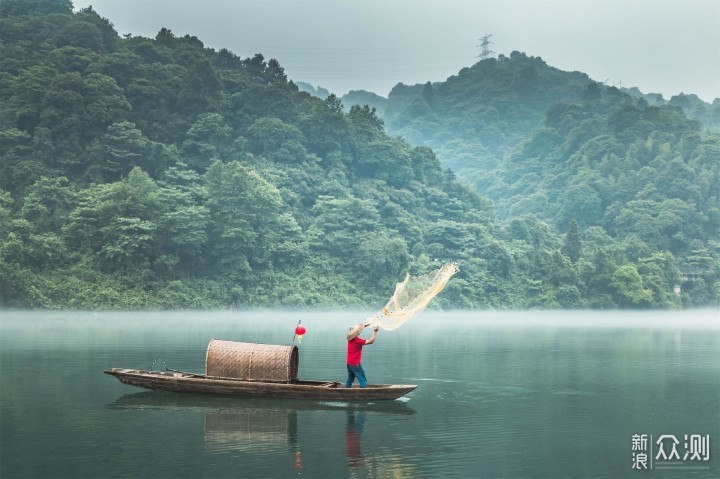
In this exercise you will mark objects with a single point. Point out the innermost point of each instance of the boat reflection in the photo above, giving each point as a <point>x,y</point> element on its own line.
<point>250,429</point>
<point>259,427</point>
<point>203,402</point>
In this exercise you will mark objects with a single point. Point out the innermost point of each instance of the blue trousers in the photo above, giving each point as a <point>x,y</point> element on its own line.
<point>356,372</point>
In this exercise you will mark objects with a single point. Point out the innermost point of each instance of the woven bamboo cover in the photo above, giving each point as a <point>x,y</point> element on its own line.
<point>252,361</point>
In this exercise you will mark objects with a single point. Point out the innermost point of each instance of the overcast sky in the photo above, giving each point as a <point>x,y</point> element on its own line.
<point>659,46</point>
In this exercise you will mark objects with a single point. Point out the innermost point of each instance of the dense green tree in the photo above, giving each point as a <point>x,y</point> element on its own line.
<point>124,148</point>
<point>47,204</point>
<point>339,225</point>
<point>660,275</point>
<point>386,159</point>
<point>206,140</point>
<point>629,287</point>
<point>81,35</point>
<point>127,243</point>
<point>13,8</point>
<point>583,202</point>
<point>366,122</point>
<point>382,260</point>
<point>572,245</point>
<point>243,208</point>
<point>157,172</point>
<point>268,135</point>
<point>183,230</point>
<point>325,127</point>
<point>117,222</point>
<point>110,38</point>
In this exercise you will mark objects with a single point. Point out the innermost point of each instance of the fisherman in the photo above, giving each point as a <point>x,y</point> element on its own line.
<point>354,354</point>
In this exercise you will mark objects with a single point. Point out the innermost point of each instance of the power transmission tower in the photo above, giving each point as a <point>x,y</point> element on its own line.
<point>485,51</point>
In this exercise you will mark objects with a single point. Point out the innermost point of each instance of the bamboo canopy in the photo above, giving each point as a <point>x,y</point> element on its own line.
<point>252,361</point>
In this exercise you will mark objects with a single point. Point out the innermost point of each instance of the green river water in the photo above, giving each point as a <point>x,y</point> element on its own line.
<point>500,395</point>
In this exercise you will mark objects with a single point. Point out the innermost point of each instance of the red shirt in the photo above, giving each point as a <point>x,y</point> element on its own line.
<point>354,354</point>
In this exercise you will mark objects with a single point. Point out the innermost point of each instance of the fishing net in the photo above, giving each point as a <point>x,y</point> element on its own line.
<point>411,296</point>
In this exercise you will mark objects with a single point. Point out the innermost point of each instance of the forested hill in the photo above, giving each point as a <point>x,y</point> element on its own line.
<point>474,118</point>
<point>155,172</point>
<point>142,172</point>
<point>560,147</point>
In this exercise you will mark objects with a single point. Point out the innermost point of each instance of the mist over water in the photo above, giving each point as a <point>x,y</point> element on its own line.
<point>500,394</point>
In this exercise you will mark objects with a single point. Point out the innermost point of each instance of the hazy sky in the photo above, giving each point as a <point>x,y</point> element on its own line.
<point>660,46</point>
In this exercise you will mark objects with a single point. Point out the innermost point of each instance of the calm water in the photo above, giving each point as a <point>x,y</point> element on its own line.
<point>546,395</point>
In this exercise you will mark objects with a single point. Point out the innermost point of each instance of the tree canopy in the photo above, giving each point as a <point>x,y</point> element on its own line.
<point>159,173</point>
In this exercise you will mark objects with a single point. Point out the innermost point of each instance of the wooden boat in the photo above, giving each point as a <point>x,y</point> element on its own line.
<point>179,381</point>
<point>257,370</point>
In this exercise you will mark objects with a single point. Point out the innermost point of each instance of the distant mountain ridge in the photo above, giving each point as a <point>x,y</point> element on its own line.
<point>318,92</point>
<point>706,113</point>
<point>403,95</point>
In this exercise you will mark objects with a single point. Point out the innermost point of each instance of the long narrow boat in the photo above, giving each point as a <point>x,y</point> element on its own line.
<point>179,381</point>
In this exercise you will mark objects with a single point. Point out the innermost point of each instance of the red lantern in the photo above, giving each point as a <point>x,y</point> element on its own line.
<point>299,331</point>
<point>298,458</point>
